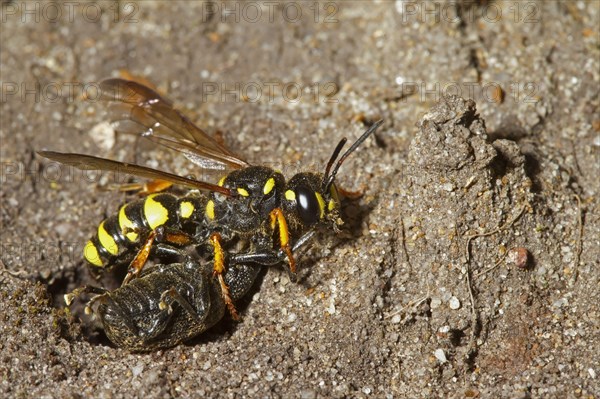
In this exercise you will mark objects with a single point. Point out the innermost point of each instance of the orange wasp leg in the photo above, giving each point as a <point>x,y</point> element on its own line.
<point>151,187</point>
<point>137,264</point>
<point>218,270</point>
<point>277,219</point>
<point>351,194</point>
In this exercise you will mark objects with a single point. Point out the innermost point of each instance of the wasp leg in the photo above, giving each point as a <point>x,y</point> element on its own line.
<point>151,187</point>
<point>270,258</point>
<point>259,258</point>
<point>302,241</point>
<point>159,234</point>
<point>277,219</point>
<point>218,270</point>
<point>137,264</point>
<point>169,253</point>
<point>175,237</point>
<point>351,194</point>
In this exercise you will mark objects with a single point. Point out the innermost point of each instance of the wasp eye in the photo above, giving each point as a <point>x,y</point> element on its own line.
<point>307,205</point>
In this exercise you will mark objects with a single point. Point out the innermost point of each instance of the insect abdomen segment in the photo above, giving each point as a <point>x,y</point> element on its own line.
<point>122,234</point>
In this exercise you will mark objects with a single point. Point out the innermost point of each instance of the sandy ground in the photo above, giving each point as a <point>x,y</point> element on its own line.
<point>469,267</point>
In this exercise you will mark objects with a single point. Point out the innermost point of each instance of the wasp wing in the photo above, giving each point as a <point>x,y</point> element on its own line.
<point>89,162</point>
<point>156,119</point>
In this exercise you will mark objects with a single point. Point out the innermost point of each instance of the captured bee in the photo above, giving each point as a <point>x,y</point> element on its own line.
<point>166,304</point>
<point>249,203</point>
<point>171,303</point>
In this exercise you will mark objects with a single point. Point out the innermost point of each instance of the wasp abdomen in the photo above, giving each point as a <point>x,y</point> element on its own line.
<point>125,232</point>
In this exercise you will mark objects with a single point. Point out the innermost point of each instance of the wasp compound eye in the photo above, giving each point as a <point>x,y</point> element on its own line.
<point>307,205</point>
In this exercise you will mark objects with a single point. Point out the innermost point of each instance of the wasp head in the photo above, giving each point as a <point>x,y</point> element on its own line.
<point>312,198</point>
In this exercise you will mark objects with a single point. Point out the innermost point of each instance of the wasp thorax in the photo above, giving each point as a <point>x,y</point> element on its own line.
<point>255,193</point>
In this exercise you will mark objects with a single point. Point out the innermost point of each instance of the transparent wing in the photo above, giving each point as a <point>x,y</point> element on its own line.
<point>142,111</point>
<point>89,162</point>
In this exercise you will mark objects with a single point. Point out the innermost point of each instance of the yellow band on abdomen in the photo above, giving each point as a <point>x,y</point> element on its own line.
<point>154,212</point>
<point>127,225</point>
<point>90,253</point>
<point>106,240</point>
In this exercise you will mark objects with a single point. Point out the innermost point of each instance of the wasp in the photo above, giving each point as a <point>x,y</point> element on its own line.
<point>252,205</point>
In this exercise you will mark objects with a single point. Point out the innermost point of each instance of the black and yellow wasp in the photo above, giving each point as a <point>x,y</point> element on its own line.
<point>251,208</point>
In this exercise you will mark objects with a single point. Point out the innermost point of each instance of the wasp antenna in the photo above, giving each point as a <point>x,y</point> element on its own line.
<point>328,179</point>
<point>334,156</point>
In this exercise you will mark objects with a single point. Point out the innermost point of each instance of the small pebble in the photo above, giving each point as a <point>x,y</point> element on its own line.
<point>440,355</point>
<point>137,370</point>
<point>454,303</point>
<point>519,257</point>
<point>308,394</point>
<point>559,303</point>
<point>103,135</point>
<point>435,303</point>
